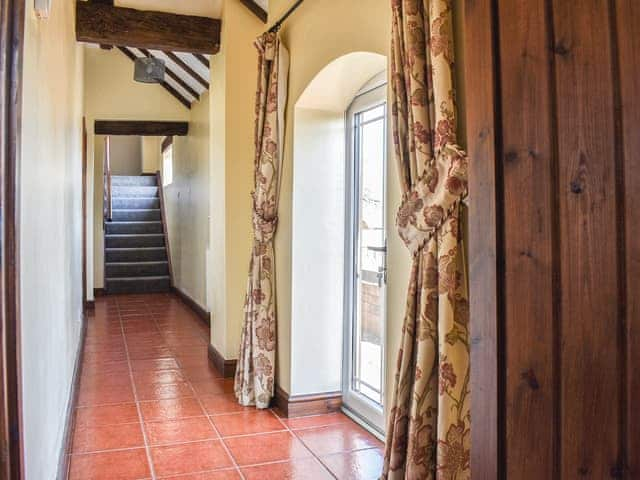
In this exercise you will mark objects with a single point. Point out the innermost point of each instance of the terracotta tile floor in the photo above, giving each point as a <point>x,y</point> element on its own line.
<point>151,407</point>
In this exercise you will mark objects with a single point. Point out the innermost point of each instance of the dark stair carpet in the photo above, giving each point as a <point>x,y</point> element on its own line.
<point>135,248</point>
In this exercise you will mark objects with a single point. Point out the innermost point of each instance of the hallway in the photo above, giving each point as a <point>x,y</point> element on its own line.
<point>151,406</point>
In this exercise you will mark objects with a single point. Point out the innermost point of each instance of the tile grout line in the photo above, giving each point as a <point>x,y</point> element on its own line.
<point>303,443</point>
<point>215,429</point>
<point>135,398</point>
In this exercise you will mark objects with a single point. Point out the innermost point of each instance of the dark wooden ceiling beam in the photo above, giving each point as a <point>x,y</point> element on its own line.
<point>178,61</point>
<point>104,2</point>
<point>140,127</point>
<point>174,76</point>
<point>105,24</point>
<point>184,101</point>
<point>256,9</point>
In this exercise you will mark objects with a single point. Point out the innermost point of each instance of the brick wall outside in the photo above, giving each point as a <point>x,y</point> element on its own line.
<point>371,313</point>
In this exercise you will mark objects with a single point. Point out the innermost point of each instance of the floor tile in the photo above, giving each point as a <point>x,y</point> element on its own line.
<point>200,373</point>
<point>147,377</point>
<point>120,465</point>
<point>307,469</point>
<point>316,421</point>
<point>246,423</point>
<point>222,404</point>
<point>337,439</point>
<point>266,448</point>
<point>360,465</point>
<point>164,392</point>
<point>171,409</point>
<point>104,395</point>
<point>212,387</point>
<point>106,415</point>
<point>230,474</point>
<point>190,458</point>
<point>154,364</point>
<point>107,437</point>
<point>154,343</point>
<point>180,431</point>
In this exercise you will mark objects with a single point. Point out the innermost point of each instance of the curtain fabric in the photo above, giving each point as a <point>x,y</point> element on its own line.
<point>254,380</point>
<point>429,425</point>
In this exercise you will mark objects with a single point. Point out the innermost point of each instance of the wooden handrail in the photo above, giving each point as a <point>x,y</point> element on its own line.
<point>107,180</point>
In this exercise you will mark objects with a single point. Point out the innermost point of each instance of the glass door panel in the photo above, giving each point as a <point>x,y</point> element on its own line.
<point>366,274</point>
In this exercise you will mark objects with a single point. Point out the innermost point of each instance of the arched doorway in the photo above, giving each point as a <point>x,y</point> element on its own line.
<point>338,293</point>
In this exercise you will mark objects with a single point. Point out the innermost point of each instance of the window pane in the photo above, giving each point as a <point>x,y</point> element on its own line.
<point>369,115</point>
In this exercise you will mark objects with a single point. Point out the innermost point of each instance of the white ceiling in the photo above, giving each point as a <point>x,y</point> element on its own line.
<point>203,8</point>
<point>263,3</point>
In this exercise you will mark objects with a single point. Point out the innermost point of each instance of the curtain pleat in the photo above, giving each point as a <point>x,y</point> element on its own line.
<point>255,373</point>
<point>428,435</point>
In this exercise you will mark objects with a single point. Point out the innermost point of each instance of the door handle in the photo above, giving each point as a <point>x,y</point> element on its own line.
<point>377,249</point>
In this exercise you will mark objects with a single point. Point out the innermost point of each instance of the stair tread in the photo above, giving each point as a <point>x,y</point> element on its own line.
<point>134,235</point>
<point>122,197</point>
<point>149,262</point>
<point>120,249</point>
<point>111,222</point>
<point>126,279</point>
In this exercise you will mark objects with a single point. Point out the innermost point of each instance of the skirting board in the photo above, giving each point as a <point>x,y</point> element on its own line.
<point>191,303</point>
<point>65,454</point>
<point>304,405</point>
<point>99,292</point>
<point>226,367</point>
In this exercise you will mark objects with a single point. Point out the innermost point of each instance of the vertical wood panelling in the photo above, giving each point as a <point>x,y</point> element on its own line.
<point>628,40</point>
<point>558,261</point>
<point>526,90</point>
<point>588,237</point>
<point>483,239</point>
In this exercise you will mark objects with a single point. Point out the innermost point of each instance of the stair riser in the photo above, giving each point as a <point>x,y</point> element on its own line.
<point>131,228</point>
<point>156,255</point>
<point>142,180</point>
<point>134,241</point>
<point>135,203</point>
<point>122,191</point>
<point>139,270</point>
<point>138,286</point>
<point>136,216</point>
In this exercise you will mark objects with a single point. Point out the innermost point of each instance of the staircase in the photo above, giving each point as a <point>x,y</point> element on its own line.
<point>136,259</point>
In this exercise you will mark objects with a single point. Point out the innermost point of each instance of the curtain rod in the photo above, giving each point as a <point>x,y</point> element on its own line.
<point>278,24</point>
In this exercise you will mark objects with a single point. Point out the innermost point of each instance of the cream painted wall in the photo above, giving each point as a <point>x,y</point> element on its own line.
<point>50,170</point>
<point>151,147</point>
<point>126,155</point>
<point>111,94</point>
<point>233,85</point>
<point>318,224</point>
<point>317,34</point>
<point>187,205</point>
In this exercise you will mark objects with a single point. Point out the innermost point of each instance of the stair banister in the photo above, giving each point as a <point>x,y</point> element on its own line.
<point>107,179</point>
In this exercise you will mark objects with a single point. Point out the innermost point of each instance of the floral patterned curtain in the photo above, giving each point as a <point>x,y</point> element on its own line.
<point>254,381</point>
<point>429,425</point>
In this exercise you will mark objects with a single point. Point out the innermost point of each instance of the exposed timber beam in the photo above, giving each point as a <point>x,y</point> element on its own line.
<point>143,128</point>
<point>164,85</point>
<point>256,9</point>
<point>178,61</point>
<point>109,25</point>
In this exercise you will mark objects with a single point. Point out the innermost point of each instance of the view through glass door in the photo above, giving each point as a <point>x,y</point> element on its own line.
<point>363,378</point>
